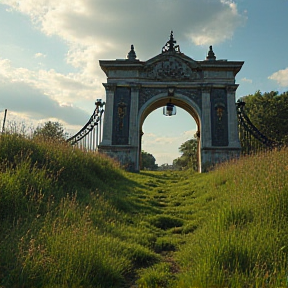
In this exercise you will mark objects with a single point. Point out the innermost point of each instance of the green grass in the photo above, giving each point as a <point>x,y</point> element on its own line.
<point>74,219</point>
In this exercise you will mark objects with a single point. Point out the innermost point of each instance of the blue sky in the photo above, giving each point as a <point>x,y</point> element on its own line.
<point>50,52</point>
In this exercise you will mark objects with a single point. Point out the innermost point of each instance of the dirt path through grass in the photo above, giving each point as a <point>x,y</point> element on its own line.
<point>179,203</point>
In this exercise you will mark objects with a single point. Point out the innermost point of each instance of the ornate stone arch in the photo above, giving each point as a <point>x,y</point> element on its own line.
<point>205,89</point>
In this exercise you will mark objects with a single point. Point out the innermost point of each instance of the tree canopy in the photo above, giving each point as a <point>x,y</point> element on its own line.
<point>51,130</point>
<point>189,158</point>
<point>269,113</point>
<point>148,161</point>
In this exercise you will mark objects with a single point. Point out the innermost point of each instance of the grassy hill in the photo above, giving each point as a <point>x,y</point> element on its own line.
<point>74,219</point>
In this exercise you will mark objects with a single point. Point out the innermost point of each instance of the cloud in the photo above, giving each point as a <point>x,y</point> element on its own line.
<point>246,80</point>
<point>281,77</point>
<point>39,55</point>
<point>32,102</point>
<point>108,25</point>
<point>61,88</point>
<point>42,95</point>
<point>97,29</point>
<point>188,134</point>
<point>150,135</point>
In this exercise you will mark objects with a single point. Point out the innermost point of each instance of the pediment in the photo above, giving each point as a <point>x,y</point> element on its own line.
<point>172,66</point>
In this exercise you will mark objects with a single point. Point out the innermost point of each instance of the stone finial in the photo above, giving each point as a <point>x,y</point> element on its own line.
<point>211,56</point>
<point>170,45</point>
<point>131,55</point>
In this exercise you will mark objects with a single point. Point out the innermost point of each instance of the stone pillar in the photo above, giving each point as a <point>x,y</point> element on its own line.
<point>133,129</point>
<point>234,141</point>
<point>108,117</point>
<point>133,126</point>
<point>205,132</point>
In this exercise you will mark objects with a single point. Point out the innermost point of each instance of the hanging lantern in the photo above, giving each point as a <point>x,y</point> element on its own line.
<point>169,109</point>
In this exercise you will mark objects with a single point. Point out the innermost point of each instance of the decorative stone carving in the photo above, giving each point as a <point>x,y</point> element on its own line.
<point>132,55</point>
<point>122,107</point>
<point>211,55</point>
<point>193,94</point>
<point>148,93</point>
<point>219,117</point>
<point>170,45</point>
<point>121,113</point>
<point>171,68</point>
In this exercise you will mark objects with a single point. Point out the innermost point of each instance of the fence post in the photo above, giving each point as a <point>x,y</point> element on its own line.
<point>3,127</point>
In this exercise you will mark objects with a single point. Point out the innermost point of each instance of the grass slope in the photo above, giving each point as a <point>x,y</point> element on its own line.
<point>74,219</point>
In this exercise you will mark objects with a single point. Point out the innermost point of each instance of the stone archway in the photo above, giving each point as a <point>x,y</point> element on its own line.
<point>178,100</point>
<point>205,89</point>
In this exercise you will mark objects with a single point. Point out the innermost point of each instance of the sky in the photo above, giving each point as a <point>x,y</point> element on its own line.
<point>50,52</point>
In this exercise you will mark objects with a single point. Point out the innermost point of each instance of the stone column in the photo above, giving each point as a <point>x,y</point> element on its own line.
<point>133,123</point>
<point>108,116</point>
<point>206,138</point>
<point>234,141</point>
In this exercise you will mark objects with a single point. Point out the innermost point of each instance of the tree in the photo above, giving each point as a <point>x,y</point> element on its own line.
<point>148,161</point>
<point>269,113</point>
<point>51,131</point>
<point>189,157</point>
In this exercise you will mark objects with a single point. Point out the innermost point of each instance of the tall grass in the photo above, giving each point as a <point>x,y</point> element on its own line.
<point>59,218</point>
<point>244,243</point>
<point>74,219</point>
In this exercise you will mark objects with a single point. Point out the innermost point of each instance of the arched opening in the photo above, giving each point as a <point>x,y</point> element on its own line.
<point>169,125</point>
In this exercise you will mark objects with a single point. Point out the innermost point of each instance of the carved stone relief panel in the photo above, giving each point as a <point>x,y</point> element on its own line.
<point>219,117</point>
<point>121,116</point>
<point>172,68</point>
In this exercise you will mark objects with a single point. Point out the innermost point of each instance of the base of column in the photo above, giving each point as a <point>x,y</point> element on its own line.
<point>215,155</point>
<point>126,155</point>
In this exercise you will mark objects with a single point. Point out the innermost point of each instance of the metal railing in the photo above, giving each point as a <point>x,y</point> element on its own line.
<point>251,139</point>
<point>90,135</point>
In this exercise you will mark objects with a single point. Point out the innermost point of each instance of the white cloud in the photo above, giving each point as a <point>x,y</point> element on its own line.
<point>150,135</point>
<point>43,95</point>
<point>39,55</point>
<point>188,134</point>
<point>107,25</point>
<point>246,80</point>
<point>62,88</point>
<point>281,77</point>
